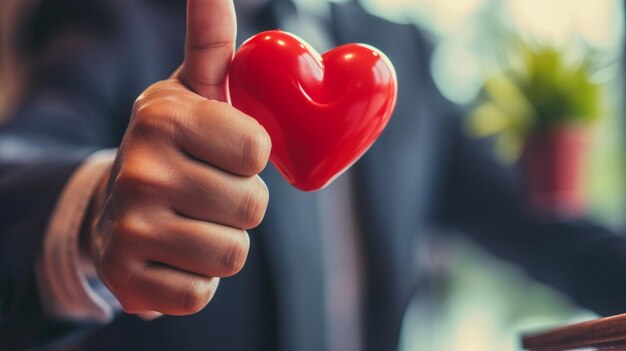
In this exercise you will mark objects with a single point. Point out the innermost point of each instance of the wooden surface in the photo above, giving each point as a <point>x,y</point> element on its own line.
<point>598,334</point>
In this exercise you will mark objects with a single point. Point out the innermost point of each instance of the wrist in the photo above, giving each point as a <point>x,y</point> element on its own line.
<point>64,274</point>
<point>91,215</point>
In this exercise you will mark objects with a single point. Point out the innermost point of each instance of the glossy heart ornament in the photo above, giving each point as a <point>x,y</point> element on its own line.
<point>322,112</point>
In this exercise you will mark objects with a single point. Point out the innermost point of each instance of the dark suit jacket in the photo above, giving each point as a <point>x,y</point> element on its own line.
<point>92,58</point>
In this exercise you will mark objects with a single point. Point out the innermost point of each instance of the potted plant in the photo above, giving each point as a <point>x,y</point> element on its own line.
<point>541,109</point>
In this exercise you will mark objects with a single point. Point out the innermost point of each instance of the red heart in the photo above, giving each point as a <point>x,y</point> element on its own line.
<point>321,112</point>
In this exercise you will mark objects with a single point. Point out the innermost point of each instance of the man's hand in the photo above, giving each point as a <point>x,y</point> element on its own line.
<point>171,218</point>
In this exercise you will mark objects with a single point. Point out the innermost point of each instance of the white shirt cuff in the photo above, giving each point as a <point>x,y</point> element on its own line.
<point>69,288</point>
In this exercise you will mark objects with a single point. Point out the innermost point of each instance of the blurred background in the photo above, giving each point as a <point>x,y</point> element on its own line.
<point>482,46</point>
<point>479,302</point>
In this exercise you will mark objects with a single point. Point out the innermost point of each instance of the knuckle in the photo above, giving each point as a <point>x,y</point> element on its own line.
<point>222,44</point>
<point>115,272</point>
<point>131,229</point>
<point>129,293</point>
<point>133,279</point>
<point>153,117</point>
<point>141,178</point>
<point>130,179</point>
<point>156,113</point>
<point>256,147</point>
<point>197,295</point>
<point>147,104</point>
<point>236,255</point>
<point>127,178</point>
<point>110,268</point>
<point>253,206</point>
<point>118,263</point>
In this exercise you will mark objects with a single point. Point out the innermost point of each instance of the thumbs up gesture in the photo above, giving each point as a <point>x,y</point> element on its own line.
<point>171,218</point>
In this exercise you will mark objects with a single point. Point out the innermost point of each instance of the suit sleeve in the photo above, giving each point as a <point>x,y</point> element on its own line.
<point>80,92</point>
<point>484,199</point>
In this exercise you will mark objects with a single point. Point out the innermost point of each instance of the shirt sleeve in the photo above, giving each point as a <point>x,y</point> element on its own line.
<point>68,284</point>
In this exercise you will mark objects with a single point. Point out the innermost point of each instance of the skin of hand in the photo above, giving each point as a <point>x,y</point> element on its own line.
<point>171,217</point>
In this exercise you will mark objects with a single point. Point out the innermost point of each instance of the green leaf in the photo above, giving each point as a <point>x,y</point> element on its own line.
<point>545,91</point>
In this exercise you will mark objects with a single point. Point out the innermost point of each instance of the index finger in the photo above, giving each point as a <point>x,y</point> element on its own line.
<point>209,46</point>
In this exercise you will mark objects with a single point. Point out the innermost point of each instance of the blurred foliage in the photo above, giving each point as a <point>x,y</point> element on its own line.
<point>542,91</point>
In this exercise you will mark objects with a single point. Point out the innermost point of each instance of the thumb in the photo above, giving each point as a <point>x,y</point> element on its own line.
<point>209,46</point>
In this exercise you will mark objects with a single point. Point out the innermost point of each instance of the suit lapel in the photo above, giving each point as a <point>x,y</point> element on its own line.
<point>394,179</point>
<point>292,238</point>
<point>291,234</point>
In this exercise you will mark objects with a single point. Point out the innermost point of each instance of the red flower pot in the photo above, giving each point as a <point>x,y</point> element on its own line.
<point>554,164</point>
